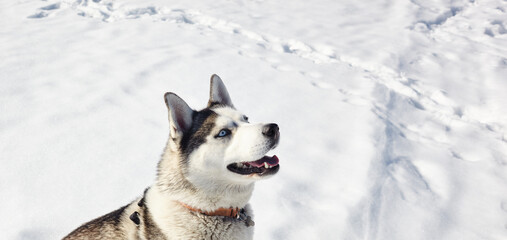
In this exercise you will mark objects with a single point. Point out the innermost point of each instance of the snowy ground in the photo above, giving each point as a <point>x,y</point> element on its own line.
<point>392,112</point>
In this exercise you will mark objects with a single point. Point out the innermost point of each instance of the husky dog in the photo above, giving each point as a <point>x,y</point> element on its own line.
<point>205,177</point>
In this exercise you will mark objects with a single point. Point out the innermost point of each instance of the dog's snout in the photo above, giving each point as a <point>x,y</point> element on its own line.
<point>270,130</point>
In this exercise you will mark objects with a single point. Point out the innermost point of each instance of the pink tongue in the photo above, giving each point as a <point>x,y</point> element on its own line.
<point>271,161</point>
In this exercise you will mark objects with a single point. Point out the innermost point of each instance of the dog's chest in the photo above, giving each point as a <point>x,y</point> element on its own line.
<point>179,223</point>
<point>205,227</point>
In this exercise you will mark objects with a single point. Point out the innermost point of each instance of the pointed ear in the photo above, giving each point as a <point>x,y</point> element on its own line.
<point>218,92</point>
<point>180,114</point>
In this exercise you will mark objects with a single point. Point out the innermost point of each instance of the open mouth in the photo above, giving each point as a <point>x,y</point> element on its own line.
<point>264,166</point>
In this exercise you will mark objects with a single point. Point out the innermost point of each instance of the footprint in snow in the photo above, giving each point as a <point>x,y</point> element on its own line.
<point>51,7</point>
<point>497,28</point>
<point>39,15</point>
<point>45,11</point>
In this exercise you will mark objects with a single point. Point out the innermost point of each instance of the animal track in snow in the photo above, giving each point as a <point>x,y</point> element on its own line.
<point>41,14</point>
<point>50,7</point>
<point>44,11</point>
<point>106,10</point>
<point>497,28</point>
<point>419,95</point>
<point>442,19</point>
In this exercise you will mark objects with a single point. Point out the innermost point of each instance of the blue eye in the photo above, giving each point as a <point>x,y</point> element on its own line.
<point>224,132</point>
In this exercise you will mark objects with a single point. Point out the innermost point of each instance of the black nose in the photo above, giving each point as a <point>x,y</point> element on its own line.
<point>270,130</point>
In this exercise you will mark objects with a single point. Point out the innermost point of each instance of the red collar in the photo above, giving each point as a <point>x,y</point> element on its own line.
<point>226,212</point>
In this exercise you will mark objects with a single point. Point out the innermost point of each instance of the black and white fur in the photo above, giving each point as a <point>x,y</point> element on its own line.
<point>211,161</point>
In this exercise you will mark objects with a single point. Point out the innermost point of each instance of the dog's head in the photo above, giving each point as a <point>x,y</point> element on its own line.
<point>218,143</point>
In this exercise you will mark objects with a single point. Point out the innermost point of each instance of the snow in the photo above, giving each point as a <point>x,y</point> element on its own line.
<point>392,113</point>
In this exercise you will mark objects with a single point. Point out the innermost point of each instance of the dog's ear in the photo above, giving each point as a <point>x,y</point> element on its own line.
<point>218,93</point>
<point>180,114</point>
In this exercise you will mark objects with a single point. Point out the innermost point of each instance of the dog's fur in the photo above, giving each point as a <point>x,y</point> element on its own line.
<point>210,162</point>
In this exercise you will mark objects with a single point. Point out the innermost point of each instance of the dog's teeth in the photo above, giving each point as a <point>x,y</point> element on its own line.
<point>266,165</point>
